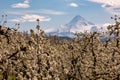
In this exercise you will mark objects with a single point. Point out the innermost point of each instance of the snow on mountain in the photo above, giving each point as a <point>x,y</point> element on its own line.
<point>93,29</point>
<point>77,24</point>
<point>50,30</point>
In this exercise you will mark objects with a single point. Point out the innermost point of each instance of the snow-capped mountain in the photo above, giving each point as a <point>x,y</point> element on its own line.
<point>77,24</point>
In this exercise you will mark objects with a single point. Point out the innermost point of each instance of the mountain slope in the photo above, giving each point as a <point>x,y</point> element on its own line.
<point>77,24</point>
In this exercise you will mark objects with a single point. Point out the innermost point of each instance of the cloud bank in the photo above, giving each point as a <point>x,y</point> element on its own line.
<point>39,11</point>
<point>112,6</point>
<point>73,5</point>
<point>31,18</point>
<point>25,4</point>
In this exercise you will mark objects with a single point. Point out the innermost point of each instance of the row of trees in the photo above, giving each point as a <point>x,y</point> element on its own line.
<point>36,56</point>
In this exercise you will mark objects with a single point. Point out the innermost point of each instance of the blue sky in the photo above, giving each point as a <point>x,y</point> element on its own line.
<point>53,13</point>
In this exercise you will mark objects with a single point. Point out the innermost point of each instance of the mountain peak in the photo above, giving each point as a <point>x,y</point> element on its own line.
<point>77,18</point>
<point>77,24</point>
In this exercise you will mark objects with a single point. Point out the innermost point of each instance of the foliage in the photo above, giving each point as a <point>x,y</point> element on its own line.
<point>36,56</point>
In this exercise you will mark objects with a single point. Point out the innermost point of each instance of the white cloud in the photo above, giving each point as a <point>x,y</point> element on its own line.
<point>20,5</point>
<point>108,2</point>
<point>26,1</point>
<point>16,12</point>
<point>52,12</point>
<point>106,25</point>
<point>50,30</point>
<point>25,4</point>
<point>15,20</point>
<point>43,11</point>
<point>31,18</point>
<point>103,27</point>
<point>112,6</point>
<point>73,5</point>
